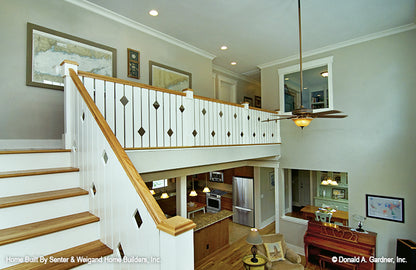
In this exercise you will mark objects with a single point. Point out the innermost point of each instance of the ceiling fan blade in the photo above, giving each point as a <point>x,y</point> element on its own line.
<point>330,116</point>
<point>282,118</point>
<point>327,112</point>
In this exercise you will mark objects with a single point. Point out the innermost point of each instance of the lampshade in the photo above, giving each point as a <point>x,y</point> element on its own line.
<point>164,195</point>
<point>324,182</point>
<point>302,122</point>
<point>324,74</point>
<point>193,193</point>
<point>152,192</point>
<point>206,189</point>
<point>254,238</point>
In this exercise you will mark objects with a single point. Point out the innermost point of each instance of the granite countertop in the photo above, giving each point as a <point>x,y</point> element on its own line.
<point>207,219</point>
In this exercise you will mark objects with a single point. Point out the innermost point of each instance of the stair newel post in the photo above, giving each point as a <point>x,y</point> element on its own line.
<point>244,124</point>
<point>188,117</point>
<point>69,102</point>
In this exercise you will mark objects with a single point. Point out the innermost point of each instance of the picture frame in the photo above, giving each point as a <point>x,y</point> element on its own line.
<point>338,193</point>
<point>168,77</point>
<point>257,101</point>
<point>249,100</point>
<point>383,207</point>
<point>133,63</point>
<point>271,180</point>
<point>47,49</point>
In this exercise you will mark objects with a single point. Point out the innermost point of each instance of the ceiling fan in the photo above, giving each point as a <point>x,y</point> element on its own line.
<point>303,116</point>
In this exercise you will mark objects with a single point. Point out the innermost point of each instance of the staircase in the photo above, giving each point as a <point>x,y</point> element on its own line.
<point>44,213</point>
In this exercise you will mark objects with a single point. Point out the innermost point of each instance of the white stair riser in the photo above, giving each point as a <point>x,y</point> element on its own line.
<point>48,244</point>
<point>34,212</point>
<point>15,162</point>
<point>101,266</point>
<point>37,183</point>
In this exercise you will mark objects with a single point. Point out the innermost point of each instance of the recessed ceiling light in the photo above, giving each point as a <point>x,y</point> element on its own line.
<point>153,12</point>
<point>233,63</point>
<point>223,47</point>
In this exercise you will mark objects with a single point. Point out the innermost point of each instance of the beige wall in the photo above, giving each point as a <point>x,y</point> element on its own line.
<point>36,113</point>
<point>375,84</point>
<point>267,194</point>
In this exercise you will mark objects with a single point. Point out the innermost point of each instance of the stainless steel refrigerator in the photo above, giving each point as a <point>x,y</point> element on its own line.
<point>243,201</point>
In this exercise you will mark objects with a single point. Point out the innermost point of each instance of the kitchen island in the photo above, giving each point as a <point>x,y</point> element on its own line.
<point>211,232</point>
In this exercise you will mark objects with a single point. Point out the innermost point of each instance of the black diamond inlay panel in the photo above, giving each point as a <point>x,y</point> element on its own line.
<point>105,157</point>
<point>272,134</point>
<point>228,134</point>
<point>182,108</point>
<point>235,116</point>
<point>170,132</point>
<point>213,133</point>
<point>254,134</point>
<point>248,117</point>
<point>221,114</point>
<point>83,116</point>
<point>120,250</point>
<point>141,131</point>
<point>194,133</point>
<point>258,119</point>
<point>204,111</point>
<point>138,218</point>
<point>93,189</point>
<point>156,105</point>
<point>242,134</point>
<point>124,100</point>
<point>264,134</point>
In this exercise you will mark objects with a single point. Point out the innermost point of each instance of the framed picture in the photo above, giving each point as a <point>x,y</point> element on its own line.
<point>133,63</point>
<point>388,208</point>
<point>249,100</point>
<point>168,77</point>
<point>271,180</point>
<point>47,48</point>
<point>338,193</point>
<point>257,101</point>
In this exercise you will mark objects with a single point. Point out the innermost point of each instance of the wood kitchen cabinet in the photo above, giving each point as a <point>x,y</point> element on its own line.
<point>226,203</point>
<point>246,171</point>
<point>210,239</point>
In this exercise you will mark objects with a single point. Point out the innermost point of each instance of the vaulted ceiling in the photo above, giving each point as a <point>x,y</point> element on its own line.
<point>262,31</point>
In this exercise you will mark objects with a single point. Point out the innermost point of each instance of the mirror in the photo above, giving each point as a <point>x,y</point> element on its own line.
<point>317,86</point>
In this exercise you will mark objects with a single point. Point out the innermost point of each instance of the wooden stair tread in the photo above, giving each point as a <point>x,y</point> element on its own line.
<point>26,231</point>
<point>95,249</point>
<point>41,197</point>
<point>32,151</point>
<point>19,173</point>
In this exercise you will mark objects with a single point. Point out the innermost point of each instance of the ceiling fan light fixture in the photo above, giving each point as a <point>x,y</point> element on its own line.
<point>302,121</point>
<point>324,74</point>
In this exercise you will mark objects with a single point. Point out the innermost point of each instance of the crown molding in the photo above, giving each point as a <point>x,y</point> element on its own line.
<point>233,74</point>
<point>138,26</point>
<point>343,44</point>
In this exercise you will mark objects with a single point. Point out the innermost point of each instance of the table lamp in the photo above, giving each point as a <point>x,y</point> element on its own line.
<point>254,238</point>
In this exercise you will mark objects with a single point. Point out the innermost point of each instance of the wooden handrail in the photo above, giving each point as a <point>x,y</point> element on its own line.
<point>168,225</point>
<point>173,92</point>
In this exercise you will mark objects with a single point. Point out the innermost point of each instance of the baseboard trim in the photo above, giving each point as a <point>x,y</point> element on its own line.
<point>298,250</point>
<point>267,222</point>
<point>30,144</point>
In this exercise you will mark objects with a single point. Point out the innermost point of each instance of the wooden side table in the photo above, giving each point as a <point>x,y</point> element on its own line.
<point>249,265</point>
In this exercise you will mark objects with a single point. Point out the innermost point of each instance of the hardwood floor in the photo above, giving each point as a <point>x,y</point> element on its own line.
<point>230,256</point>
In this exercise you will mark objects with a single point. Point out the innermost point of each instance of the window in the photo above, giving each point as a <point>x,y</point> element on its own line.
<point>317,86</point>
<point>160,183</point>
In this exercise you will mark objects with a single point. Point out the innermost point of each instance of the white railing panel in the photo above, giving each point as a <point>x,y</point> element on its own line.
<point>119,111</point>
<point>160,132</point>
<point>173,115</point>
<point>179,120</point>
<point>99,96</point>
<point>166,112</point>
<point>197,123</point>
<point>128,116</point>
<point>137,116</point>
<point>145,118</point>
<point>153,118</point>
<point>109,105</point>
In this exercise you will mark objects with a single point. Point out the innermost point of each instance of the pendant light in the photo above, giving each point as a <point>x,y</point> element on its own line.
<point>164,195</point>
<point>193,192</point>
<point>152,192</point>
<point>206,188</point>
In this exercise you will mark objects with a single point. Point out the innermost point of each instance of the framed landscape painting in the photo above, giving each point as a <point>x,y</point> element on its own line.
<point>388,208</point>
<point>47,48</point>
<point>168,77</point>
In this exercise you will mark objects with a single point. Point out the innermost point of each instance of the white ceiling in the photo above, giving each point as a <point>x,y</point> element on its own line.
<point>262,31</point>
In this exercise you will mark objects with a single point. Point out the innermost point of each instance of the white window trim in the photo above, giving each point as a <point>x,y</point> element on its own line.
<point>307,65</point>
